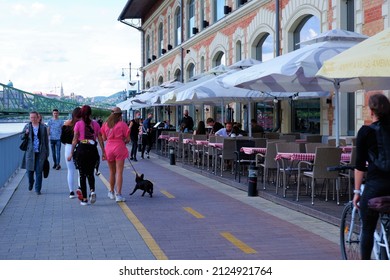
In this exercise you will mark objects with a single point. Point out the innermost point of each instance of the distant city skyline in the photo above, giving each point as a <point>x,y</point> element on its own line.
<point>79,44</point>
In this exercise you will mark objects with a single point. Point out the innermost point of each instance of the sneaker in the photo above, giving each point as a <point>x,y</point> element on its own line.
<point>30,188</point>
<point>84,202</point>
<point>135,159</point>
<point>111,195</point>
<point>72,195</point>
<point>92,197</point>
<point>58,167</point>
<point>54,166</point>
<point>131,158</point>
<point>79,194</point>
<point>119,198</point>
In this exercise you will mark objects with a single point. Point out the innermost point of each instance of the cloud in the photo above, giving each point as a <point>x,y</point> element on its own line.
<point>29,10</point>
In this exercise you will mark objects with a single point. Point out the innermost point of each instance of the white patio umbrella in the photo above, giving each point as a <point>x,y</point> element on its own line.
<point>296,71</point>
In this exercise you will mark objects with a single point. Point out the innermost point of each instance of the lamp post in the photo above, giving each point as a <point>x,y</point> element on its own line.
<point>131,83</point>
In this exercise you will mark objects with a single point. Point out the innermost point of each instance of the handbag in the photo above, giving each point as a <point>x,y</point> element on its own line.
<point>46,168</point>
<point>380,204</point>
<point>24,144</point>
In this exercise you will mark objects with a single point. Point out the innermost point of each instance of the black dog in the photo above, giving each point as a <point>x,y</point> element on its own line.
<point>144,185</point>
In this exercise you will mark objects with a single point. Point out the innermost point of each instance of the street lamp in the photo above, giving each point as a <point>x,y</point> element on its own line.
<point>131,83</point>
<point>123,71</point>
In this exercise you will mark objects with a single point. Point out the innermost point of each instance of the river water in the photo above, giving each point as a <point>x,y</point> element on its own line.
<point>10,128</point>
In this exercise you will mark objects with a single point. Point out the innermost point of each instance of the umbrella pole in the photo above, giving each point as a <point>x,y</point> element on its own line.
<point>249,118</point>
<point>337,90</point>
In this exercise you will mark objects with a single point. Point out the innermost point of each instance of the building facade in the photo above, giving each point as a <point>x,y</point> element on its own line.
<point>184,38</point>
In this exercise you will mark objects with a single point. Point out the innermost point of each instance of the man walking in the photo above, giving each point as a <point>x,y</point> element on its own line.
<point>54,129</point>
<point>147,136</point>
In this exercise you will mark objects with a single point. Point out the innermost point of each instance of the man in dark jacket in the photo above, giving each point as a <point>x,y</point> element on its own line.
<point>147,136</point>
<point>187,123</point>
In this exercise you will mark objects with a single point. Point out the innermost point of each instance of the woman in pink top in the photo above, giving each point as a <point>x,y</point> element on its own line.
<point>117,134</point>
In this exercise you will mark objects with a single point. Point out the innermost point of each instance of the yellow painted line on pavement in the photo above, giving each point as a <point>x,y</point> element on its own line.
<point>238,243</point>
<point>146,236</point>
<point>193,212</point>
<point>167,194</point>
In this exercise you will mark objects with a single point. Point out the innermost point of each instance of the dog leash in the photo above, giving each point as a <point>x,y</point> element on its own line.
<point>132,166</point>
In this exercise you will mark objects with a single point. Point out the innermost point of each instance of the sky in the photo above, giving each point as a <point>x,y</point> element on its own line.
<point>77,43</point>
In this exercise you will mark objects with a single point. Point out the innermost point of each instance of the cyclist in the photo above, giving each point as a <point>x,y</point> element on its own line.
<point>376,181</point>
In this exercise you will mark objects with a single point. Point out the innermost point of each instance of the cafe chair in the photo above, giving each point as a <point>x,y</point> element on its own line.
<point>242,159</point>
<point>324,157</point>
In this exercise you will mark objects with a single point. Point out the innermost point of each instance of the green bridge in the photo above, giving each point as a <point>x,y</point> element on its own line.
<point>15,102</point>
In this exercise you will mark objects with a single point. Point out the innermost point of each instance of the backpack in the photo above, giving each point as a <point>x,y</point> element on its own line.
<point>382,158</point>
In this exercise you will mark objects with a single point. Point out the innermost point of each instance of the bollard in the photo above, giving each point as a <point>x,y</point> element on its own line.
<point>172,155</point>
<point>252,180</point>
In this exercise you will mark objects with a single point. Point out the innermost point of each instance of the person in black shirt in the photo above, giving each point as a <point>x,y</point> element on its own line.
<point>376,181</point>
<point>187,123</point>
<point>147,136</point>
<point>134,132</point>
<point>215,126</point>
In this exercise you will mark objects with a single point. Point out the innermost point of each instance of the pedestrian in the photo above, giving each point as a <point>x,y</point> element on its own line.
<point>187,123</point>
<point>134,133</point>
<point>226,131</point>
<point>54,128</point>
<point>147,136</point>
<point>200,128</point>
<point>215,126</point>
<point>67,135</point>
<point>86,156</point>
<point>116,133</point>
<point>376,180</point>
<point>37,151</point>
<point>256,128</point>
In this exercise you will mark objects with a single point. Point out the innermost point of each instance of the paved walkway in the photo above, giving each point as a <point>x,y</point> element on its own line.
<point>191,216</point>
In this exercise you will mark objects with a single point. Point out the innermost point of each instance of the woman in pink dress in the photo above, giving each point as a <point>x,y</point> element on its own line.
<point>117,134</point>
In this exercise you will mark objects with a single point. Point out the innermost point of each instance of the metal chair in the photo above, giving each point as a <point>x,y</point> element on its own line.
<point>325,157</point>
<point>225,154</point>
<point>242,159</point>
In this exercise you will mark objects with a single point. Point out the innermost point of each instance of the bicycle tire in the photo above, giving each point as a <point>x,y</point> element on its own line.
<point>350,235</point>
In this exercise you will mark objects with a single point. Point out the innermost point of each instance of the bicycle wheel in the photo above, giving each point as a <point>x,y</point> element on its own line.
<point>350,228</point>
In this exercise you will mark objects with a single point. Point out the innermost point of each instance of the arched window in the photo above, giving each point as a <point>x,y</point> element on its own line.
<point>160,80</point>
<point>201,15</point>
<point>218,9</point>
<point>219,59</point>
<point>202,65</point>
<point>190,71</point>
<point>177,27</point>
<point>308,28</point>
<point>190,18</point>
<point>160,39</point>
<point>178,75</point>
<point>264,49</point>
<point>238,51</point>
<point>148,56</point>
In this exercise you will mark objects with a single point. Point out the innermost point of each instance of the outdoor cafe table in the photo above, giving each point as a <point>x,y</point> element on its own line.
<point>253,150</point>
<point>345,157</point>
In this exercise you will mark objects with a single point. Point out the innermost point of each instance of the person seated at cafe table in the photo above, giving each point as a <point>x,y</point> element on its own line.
<point>215,126</point>
<point>226,131</point>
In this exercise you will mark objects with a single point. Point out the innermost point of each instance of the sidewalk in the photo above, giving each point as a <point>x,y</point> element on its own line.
<point>52,226</point>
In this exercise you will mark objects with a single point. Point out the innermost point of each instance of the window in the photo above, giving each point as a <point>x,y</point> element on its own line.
<point>178,75</point>
<point>238,51</point>
<point>191,18</point>
<point>147,50</point>
<point>160,39</point>
<point>219,59</point>
<point>177,27</point>
<point>264,49</point>
<point>306,116</point>
<point>190,71</point>
<point>218,9</point>
<point>202,65</point>
<point>308,28</point>
<point>160,80</point>
<point>201,14</point>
